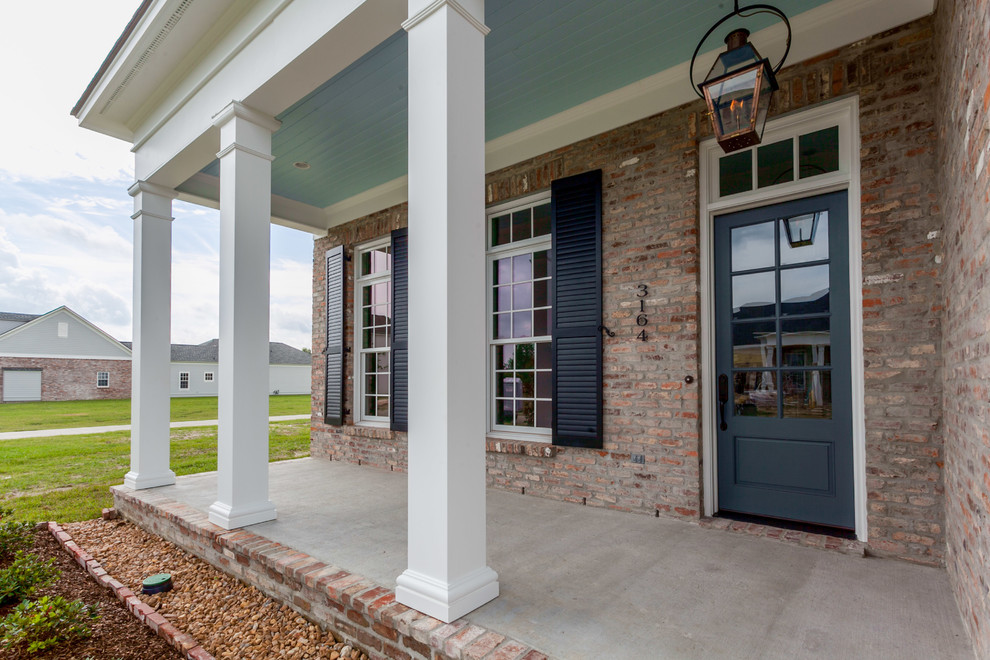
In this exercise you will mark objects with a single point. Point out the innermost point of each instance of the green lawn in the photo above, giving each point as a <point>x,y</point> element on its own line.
<point>32,415</point>
<point>67,478</point>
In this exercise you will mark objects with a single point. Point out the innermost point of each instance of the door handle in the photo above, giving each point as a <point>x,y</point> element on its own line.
<point>723,398</point>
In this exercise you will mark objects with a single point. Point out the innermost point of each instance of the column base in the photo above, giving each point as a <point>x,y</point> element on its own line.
<point>232,517</point>
<point>446,601</point>
<point>144,480</point>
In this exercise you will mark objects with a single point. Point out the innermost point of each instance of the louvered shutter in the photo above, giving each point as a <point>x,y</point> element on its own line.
<point>576,210</point>
<point>334,411</point>
<point>399,358</point>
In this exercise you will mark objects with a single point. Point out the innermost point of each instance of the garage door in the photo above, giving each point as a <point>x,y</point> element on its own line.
<point>21,385</point>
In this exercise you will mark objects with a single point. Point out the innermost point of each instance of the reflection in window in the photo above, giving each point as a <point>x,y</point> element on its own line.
<point>520,313</point>
<point>373,286</point>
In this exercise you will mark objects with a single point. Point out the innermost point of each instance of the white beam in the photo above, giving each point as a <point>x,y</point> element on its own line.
<point>151,352</point>
<point>245,213</point>
<point>447,574</point>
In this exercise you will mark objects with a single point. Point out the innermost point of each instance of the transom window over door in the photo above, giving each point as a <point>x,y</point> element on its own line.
<point>520,324</point>
<point>373,296</point>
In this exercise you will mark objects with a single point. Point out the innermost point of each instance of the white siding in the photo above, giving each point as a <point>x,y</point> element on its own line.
<point>21,385</point>
<point>289,378</point>
<point>41,338</point>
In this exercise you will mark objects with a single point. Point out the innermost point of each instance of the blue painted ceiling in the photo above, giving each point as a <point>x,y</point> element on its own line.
<point>541,58</point>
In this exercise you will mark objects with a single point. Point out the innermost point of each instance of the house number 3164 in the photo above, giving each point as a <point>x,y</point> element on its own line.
<point>641,318</point>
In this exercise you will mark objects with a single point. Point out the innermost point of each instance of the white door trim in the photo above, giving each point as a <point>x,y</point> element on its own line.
<point>843,112</point>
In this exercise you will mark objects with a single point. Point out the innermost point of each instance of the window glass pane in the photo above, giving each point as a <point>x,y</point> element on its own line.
<point>524,356</point>
<point>381,337</point>
<point>502,271</point>
<point>544,356</point>
<point>503,298</point>
<point>752,246</point>
<point>503,326</point>
<point>366,295</point>
<point>370,362</point>
<point>380,293</point>
<point>541,220</point>
<point>775,163</point>
<point>541,293</point>
<point>806,342</point>
<point>383,384</point>
<point>804,290</point>
<point>500,230</point>
<point>754,344</point>
<point>521,229</point>
<point>522,324</point>
<point>753,295</point>
<point>505,356</point>
<point>819,152</point>
<point>383,362</point>
<point>807,394</point>
<point>504,412</point>
<point>522,296</point>
<point>370,406</point>
<point>541,322</point>
<point>544,385</point>
<point>368,339</point>
<point>544,410</point>
<point>754,393</point>
<point>383,406</point>
<point>735,173</point>
<point>526,377</point>
<point>522,268</point>
<point>525,413</point>
<point>541,264</point>
<point>365,263</point>
<point>804,238</point>
<point>369,384</point>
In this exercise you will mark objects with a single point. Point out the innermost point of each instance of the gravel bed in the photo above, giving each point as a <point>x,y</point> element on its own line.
<point>229,618</point>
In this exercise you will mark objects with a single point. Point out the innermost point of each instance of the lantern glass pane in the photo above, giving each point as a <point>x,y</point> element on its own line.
<point>775,163</point>
<point>733,60</point>
<point>735,173</point>
<point>819,152</point>
<point>732,101</point>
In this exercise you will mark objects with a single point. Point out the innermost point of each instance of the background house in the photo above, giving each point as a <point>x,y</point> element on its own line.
<point>60,356</point>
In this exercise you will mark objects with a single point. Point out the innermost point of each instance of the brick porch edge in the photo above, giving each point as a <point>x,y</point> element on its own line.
<point>146,614</point>
<point>363,612</point>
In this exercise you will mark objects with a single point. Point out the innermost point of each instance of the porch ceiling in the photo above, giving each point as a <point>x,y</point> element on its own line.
<point>541,59</point>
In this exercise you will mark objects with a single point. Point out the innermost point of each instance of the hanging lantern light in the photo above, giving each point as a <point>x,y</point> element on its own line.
<point>740,84</point>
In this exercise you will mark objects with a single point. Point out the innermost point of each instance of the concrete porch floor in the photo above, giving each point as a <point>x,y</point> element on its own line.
<point>578,582</point>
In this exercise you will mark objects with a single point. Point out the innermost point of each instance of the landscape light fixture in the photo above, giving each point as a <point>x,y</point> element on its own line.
<point>740,84</point>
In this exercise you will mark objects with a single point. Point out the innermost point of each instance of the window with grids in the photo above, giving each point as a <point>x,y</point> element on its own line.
<point>208,377</point>
<point>519,309</point>
<point>183,380</point>
<point>373,297</point>
<point>103,379</point>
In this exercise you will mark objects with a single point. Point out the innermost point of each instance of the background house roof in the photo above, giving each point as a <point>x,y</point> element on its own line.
<point>208,351</point>
<point>11,320</point>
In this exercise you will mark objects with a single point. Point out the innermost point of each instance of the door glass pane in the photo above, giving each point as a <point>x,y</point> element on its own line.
<point>735,173</point>
<point>808,394</point>
<point>754,393</point>
<point>775,163</point>
<point>808,238</point>
<point>819,152</point>
<point>806,342</point>
<point>752,247</point>
<point>803,290</point>
<point>754,344</point>
<point>753,296</point>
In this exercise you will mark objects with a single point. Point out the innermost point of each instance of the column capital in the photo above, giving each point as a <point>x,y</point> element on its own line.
<point>152,201</point>
<point>435,6</point>
<point>241,111</point>
<point>139,187</point>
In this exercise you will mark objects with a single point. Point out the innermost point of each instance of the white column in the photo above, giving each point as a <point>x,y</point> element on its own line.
<point>245,226</point>
<point>151,351</point>
<point>447,575</point>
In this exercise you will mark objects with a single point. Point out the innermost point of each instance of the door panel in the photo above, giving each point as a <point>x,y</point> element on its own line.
<point>785,446</point>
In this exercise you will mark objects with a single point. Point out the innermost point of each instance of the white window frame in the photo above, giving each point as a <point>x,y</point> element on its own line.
<point>526,246</point>
<point>186,374</point>
<point>107,379</point>
<point>207,376</point>
<point>844,113</point>
<point>359,415</point>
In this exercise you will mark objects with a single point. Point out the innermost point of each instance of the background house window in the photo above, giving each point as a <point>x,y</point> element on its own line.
<point>103,379</point>
<point>208,377</point>
<point>373,302</point>
<point>519,309</point>
<point>183,380</point>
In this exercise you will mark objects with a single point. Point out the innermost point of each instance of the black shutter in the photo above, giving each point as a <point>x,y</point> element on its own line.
<point>399,359</point>
<point>334,413</point>
<point>576,210</point>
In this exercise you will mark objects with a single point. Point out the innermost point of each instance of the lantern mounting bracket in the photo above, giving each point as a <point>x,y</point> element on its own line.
<point>743,12</point>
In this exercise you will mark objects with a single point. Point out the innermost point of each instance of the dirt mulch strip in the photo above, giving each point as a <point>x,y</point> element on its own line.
<point>116,634</point>
<point>229,618</point>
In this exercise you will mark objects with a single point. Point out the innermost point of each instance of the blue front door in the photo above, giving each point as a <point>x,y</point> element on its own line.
<point>784,436</point>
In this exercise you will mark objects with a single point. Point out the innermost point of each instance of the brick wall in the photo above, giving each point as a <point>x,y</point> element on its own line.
<point>962,30</point>
<point>651,461</point>
<point>75,380</point>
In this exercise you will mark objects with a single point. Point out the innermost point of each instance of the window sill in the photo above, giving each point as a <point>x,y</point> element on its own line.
<point>496,445</point>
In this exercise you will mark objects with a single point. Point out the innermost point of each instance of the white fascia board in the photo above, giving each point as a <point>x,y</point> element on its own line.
<point>49,356</point>
<point>281,51</point>
<point>374,199</point>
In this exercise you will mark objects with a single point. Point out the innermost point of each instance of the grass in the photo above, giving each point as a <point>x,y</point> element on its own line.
<point>67,478</point>
<point>39,415</point>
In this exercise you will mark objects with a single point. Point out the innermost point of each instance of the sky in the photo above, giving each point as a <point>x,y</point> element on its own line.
<point>66,235</point>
